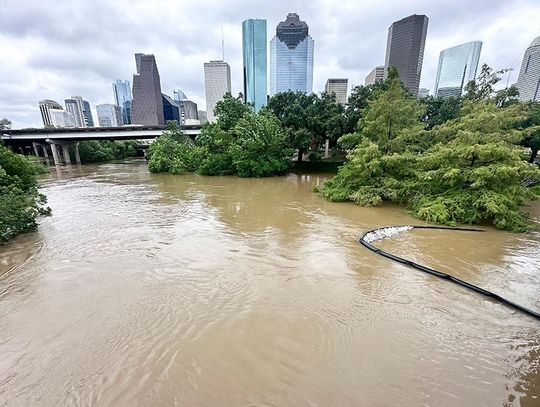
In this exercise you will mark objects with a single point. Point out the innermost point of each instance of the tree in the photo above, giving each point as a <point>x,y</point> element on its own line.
<point>358,102</point>
<point>230,110</point>
<point>20,201</point>
<point>531,124</point>
<point>482,88</point>
<point>465,170</point>
<point>5,124</point>
<point>440,110</point>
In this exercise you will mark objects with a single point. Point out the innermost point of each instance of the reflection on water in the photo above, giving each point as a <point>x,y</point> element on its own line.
<point>161,290</point>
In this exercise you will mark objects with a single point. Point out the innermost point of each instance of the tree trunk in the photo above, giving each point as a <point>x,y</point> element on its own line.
<point>300,154</point>
<point>534,153</point>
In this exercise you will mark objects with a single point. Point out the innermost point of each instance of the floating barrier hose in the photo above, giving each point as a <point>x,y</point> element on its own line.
<point>385,232</point>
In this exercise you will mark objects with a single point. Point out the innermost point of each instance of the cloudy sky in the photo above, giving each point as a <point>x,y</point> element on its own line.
<point>54,49</point>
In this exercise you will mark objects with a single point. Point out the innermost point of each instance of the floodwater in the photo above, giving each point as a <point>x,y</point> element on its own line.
<point>161,290</point>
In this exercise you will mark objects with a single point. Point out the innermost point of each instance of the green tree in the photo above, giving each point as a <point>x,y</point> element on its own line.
<point>20,201</point>
<point>531,125</point>
<point>358,102</point>
<point>5,124</point>
<point>230,110</point>
<point>440,110</point>
<point>483,87</point>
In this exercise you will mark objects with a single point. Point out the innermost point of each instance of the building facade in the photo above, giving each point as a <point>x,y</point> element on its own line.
<point>405,49</point>
<point>109,115</point>
<point>529,75</point>
<point>122,98</point>
<point>75,107</point>
<point>291,57</point>
<point>171,109</point>
<point>45,107</point>
<point>457,67</point>
<point>188,109</point>
<point>87,113</point>
<point>147,104</point>
<point>376,75</point>
<point>217,82</point>
<point>202,116</point>
<point>254,58</point>
<point>423,92</point>
<point>339,88</point>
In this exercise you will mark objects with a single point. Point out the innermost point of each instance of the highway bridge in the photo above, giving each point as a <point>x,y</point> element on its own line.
<point>57,141</point>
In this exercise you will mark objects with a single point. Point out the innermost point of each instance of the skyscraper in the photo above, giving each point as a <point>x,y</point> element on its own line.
<point>171,109</point>
<point>87,113</point>
<point>45,107</point>
<point>291,57</point>
<point>405,49</point>
<point>254,53</point>
<point>529,75</point>
<point>339,88</point>
<point>75,107</point>
<point>109,115</point>
<point>188,108</point>
<point>377,74</point>
<point>457,67</point>
<point>217,82</point>
<point>122,97</point>
<point>147,105</point>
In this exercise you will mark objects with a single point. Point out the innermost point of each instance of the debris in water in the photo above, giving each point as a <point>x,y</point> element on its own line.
<point>383,233</point>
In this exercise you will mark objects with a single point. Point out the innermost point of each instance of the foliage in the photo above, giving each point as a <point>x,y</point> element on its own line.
<point>20,201</point>
<point>254,145</point>
<point>482,88</point>
<point>532,130</point>
<point>308,119</point>
<point>439,110</point>
<point>229,110</point>
<point>5,124</point>
<point>465,170</point>
<point>104,150</point>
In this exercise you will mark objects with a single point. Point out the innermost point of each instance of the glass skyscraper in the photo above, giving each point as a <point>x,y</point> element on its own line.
<point>254,52</point>
<point>291,57</point>
<point>405,49</point>
<point>457,67</point>
<point>529,75</point>
<point>122,98</point>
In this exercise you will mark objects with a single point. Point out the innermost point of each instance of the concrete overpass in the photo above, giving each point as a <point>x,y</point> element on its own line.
<point>28,141</point>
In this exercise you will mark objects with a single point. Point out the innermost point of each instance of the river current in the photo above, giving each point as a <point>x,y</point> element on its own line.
<point>160,290</point>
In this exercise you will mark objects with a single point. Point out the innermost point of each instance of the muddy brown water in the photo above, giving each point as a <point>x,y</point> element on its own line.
<point>161,290</point>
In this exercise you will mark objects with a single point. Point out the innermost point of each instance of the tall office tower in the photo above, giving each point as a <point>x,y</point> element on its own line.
<point>376,75</point>
<point>254,53</point>
<point>529,75</point>
<point>138,57</point>
<point>109,115</point>
<point>147,105</point>
<point>188,109</point>
<point>45,107</point>
<point>171,109</point>
<point>62,118</point>
<point>405,49</point>
<point>75,107</point>
<point>202,116</point>
<point>87,113</point>
<point>217,82</point>
<point>457,67</point>
<point>339,88</point>
<point>291,57</point>
<point>122,97</point>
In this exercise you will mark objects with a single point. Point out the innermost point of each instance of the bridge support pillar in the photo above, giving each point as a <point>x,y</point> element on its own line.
<point>36,151</point>
<point>77,155</point>
<point>326,148</point>
<point>45,152</point>
<point>65,150</point>
<point>55,154</point>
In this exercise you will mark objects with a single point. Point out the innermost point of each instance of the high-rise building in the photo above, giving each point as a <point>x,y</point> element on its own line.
<point>147,105</point>
<point>87,113</point>
<point>291,57</point>
<point>423,92</point>
<point>45,107</point>
<point>405,49</point>
<point>171,109</point>
<point>457,67</point>
<point>75,107</point>
<point>202,116</point>
<point>122,97</point>
<point>377,74</point>
<point>217,82</point>
<point>62,118</point>
<point>254,57</point>
<point>339,88</point>
<point>138,57</point>
<point>188,109</point>
<point>529,75</point>
<point>109,115</point>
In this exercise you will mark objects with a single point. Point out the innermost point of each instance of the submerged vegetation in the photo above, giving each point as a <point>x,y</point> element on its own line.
<point>20,201</point>
<point>93,151</point>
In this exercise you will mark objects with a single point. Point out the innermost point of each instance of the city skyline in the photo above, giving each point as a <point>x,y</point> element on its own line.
<point>352,40</point>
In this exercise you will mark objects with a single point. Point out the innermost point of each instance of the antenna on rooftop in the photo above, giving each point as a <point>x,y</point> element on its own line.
<point>222,44</point>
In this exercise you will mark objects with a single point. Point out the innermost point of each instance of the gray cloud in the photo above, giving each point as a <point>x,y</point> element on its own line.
<point>56,49</point>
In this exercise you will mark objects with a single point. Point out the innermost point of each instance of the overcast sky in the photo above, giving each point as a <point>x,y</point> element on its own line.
<point>52,49</point>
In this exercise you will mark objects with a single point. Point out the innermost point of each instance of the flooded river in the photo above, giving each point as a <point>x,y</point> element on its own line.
<point>161,290</point>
